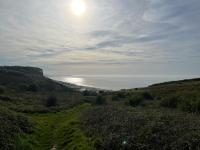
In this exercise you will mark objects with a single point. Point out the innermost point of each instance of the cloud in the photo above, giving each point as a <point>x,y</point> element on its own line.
<point>111,32</point>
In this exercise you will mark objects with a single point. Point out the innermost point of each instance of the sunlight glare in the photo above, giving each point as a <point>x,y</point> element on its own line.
<point>78,7</point>
<point>74,80</point>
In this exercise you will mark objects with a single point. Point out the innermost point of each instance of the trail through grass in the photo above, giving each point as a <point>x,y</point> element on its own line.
<point>60,129</point>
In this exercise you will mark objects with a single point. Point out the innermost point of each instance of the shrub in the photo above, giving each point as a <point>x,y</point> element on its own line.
<point>100,100</point>
<point>1,90</point>
<point>195,106</point>
<point>86,93</point>
<point>121,95</point>
<point>121,128</point>
<point>147,96</point>
<point>170,102</point>
<point>190,105</point>
<point>135,100</point>
<point>89,93</point>
<point>115,98</point>
<point>23,87</point>
<point>12,126</point>
<point>5,98</point>
<point>32,88</point>
<point>51,101</point>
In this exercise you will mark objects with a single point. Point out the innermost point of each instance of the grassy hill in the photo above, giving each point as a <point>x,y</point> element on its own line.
<point>161,116</point>
<point>25,92</point>
<point>37,113</point>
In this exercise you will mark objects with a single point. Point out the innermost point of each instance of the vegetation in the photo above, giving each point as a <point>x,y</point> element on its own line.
<point>37,113</point>
<point>100,100</point>
<point>147,96</point>
<point>135,100</point>
<point>183,95</point>
<point>61,129</point>
<point>32,88</point>
<point>171,102</point>
<point>12,125</point>
<point>1,90</point>
<point>51,101</point>
<point>115,97</point>
<point>127,128</point>
<point>89,93</point>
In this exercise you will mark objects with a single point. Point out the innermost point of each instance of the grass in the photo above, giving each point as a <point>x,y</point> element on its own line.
<point>61,129</point>
<point>162,116</point>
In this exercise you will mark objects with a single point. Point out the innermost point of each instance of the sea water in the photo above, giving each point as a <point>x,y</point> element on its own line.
<point>117,82</point>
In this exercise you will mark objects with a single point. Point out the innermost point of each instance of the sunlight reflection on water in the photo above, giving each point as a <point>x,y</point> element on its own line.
<point>116,82</point>
<point>75,80</point>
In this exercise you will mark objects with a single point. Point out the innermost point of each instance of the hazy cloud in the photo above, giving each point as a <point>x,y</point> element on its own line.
<point>45,33</point>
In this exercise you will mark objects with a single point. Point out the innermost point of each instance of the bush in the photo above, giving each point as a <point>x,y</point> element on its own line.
<point>122,128</point>
<point>1,90</point>
<point>190,105</point>
<point>32,88</point>
<point>185,104</point>
<point>147,96</point>
<point>23,87</point>
<point>115,98</point>
<point>135,100</point>
<point>121,95</point>
<point>100,100</point>
<point>51,101</point>
<point>195,106</point>
<point>170,102</point>
<point>12,126</point>
<point>89,93</point>
<point>5,98</point>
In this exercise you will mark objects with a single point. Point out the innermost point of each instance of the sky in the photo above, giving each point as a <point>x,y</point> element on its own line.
<point>112,37</point>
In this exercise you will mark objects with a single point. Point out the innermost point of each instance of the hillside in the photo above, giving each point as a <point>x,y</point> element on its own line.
<point>26,89</point>
<point>38,113</point>
<point>28,78</point>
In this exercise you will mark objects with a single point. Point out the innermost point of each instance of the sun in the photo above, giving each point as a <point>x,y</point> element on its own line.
<point>78,7</point>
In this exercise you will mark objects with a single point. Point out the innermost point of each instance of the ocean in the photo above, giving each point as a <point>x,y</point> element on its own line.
<point>117,82</point>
